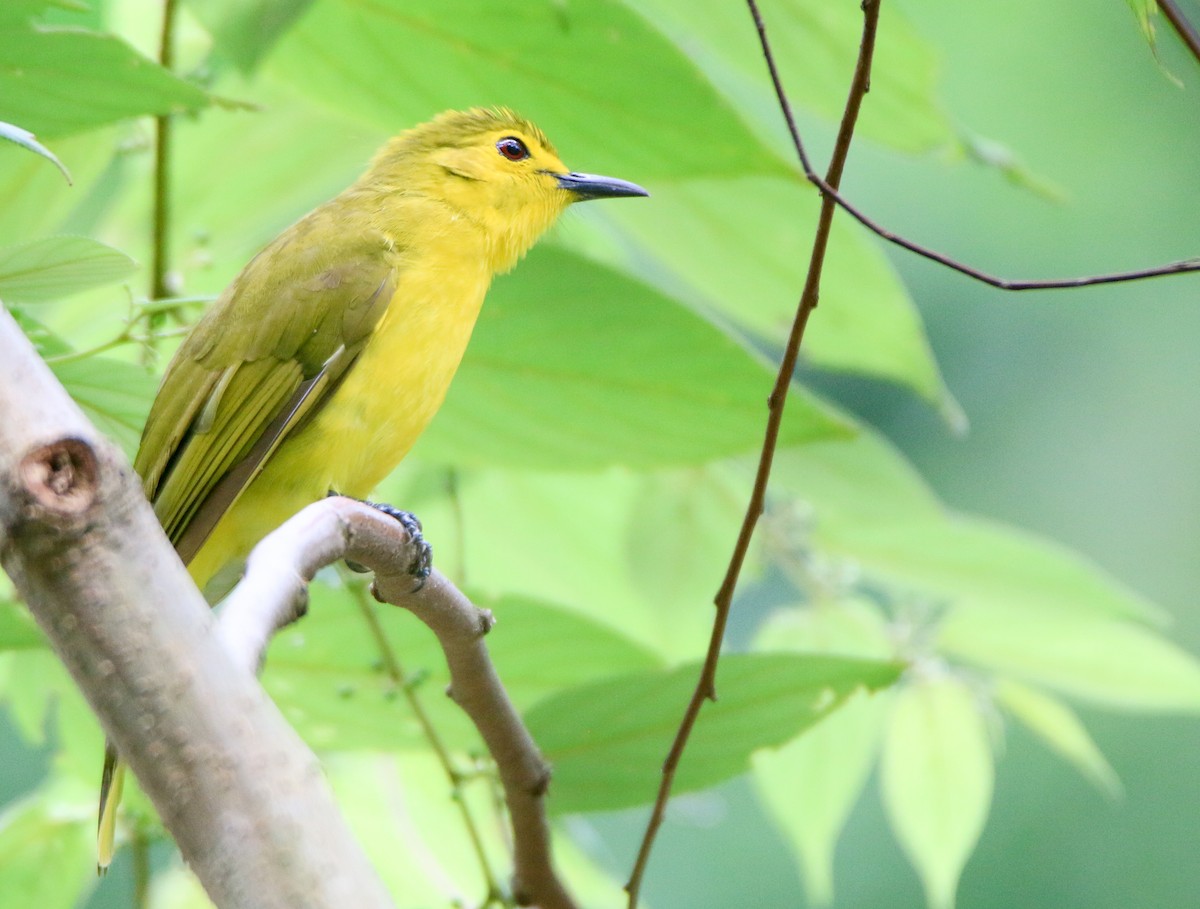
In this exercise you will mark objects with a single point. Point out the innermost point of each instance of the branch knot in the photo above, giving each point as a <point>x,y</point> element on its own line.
<point>61,478</point>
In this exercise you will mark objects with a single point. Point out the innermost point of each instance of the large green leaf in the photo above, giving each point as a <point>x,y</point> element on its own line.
<point>652,546</point>
<point>56,81</point>
<point>55,267</point>
<point>809,785</point>
<point>937,778</point>
<point>326,672</point>
<point>35,200</point>
<point>580,69</point>
<point>1100,657</point>
<point>1060,729</point>
<point>607,740</point>
<point>574,366</point>
<point>958,561</point>
<point>739,248</point>
<point>115,395</point>
<point>17,627</point>
<point>815,44</point>
<point>244,32</point>
<point>54,829</point>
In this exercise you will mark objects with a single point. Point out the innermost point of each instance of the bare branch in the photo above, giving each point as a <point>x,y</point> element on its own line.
<point>240,792</point>
<point>274,592</point>
<point>1184,28</point>
<point>706,685</point>
<point>829,190</point>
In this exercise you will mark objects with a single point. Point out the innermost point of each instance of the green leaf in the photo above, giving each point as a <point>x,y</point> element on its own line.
<point>937,777</point>
<point>401,810</point>
<point>56,81</point>
<point>177,887</point>
<point>856,482</point>
<point>326,674</point>
<point>739,248</point>
<point>574,366</point>
<point>962,562</point>
<point>244,32</point>
<point>33,197</point>
<point>49,830</point>
<point>18,630</point>
<point>115,395</point>
<point>26,139</point>
<point>579,69</point>
<point>607,740</point>
<point>598,526</point>
<point>55,267</point>
<point>45,341</point>
<point>45,705</point>
<point>815,44</point>
<point>1061,730</point>
<point>1103,658</point>
<point>809,785</point>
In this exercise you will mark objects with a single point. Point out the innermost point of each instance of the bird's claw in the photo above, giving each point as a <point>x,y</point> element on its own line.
<point>422,564</point>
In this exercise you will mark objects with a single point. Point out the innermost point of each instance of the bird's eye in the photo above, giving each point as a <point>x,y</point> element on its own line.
<point>512,148</point>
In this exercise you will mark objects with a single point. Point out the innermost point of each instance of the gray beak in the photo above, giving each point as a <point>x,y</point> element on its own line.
<point>591,186</point>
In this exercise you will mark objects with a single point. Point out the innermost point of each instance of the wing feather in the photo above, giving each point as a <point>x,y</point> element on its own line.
<point>260,363</point>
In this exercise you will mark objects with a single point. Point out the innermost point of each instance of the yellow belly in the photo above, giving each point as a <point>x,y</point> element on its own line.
<point>384,402</point>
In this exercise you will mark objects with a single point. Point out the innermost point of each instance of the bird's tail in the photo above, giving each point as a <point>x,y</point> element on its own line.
<point>111,783</point>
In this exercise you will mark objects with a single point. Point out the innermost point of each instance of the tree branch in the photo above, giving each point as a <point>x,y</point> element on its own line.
<point>240,792</point>
<point>829,190</point>
<point>706,685</point>
<point>1186,31</point>
<point>274,592</point>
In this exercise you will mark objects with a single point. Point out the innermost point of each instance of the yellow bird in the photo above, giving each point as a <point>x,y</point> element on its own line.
<point>320,365</point>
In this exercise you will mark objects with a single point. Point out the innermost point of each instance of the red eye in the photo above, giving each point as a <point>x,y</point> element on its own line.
<point>512,148</point>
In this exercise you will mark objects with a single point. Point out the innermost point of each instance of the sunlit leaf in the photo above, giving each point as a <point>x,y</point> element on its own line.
<point>26,139</point>
<point>1060,729</point>
<point>244,32</point>
<point>56,81</point>
<point>1099,657</point>
<point>607,740</point>
<point>327,673</point>
<point>507,521</point>
<point>55,267</point>
<point>579,69</point>
<point>815,44</point>
<point>959,561</point>
<point>740,247</point>
<point>17,627</point>
<point>115,395</point>
<point>809,785</point>
<point>53,829</point>
<point>937,778</point>
<point>574,366</point>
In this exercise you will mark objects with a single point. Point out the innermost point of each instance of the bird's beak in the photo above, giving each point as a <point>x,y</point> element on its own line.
<point>591,186</point>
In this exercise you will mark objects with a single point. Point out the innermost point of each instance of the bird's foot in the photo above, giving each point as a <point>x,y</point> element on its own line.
<point>422,564</point>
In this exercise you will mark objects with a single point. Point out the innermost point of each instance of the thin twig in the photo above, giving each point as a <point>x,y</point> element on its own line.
<point>1187,32</point>
<point>830,191</point>
<point>141,870</point>
<point>706,685</point>
<point>400,678</point>
<point>161,227</point>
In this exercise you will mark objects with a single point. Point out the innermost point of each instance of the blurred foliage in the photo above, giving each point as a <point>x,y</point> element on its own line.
<point>587,469</point>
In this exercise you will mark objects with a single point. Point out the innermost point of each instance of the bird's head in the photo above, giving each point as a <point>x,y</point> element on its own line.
<point>497,170</point>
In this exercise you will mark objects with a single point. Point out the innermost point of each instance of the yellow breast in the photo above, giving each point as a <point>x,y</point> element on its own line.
<point>383,404</point>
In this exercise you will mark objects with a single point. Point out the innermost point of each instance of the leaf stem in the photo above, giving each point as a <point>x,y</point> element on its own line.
<point>162,178</point>
<point>706,685</point>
